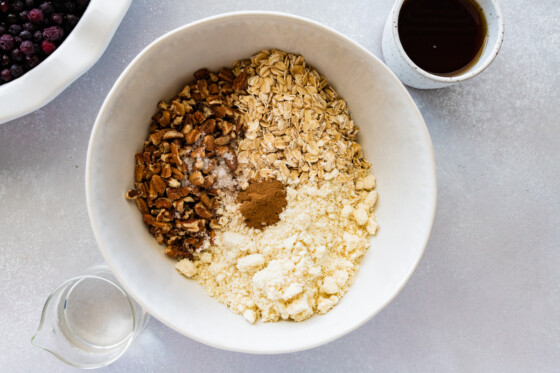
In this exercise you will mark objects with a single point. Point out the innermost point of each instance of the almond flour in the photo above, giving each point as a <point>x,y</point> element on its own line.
<point>302,265</point>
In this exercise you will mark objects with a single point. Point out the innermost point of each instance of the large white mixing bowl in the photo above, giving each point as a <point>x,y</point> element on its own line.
<point>393,135</point>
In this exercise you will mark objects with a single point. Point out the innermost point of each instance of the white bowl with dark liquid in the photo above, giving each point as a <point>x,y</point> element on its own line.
<point>414,76</point>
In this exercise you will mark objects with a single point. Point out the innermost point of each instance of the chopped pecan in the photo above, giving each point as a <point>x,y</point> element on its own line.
<point>163,203</point>
<point>222,140</point>
<point>226,127</point>
<point>133,194</point>
<point>193,136</point>
<point>166,171</point>
<point>229,156</point>
<point>239,81</point>
<point>142,206</point>
<point>155,168</point>
<point>208,181</point>
<point>208,126</point>
<point>177,174</point>
<point>138,172</point>
<point>208,142</point>
<point>175,154</point>
<point>156,137</point>
<point>150,220</point>
<point>206,200</point>
<point>209,166</point>
<point>196,178</point>
<point>191,225</point>
<point>219,111</point>
<point>158,184</point>
<point>202,74</point>
<point>199,152</point>
<point>165,118</point>
<point>214,224</point>
<point>198,117</point>
<point>202,210</point>
<point>213,89</point>
<point>202,88</point>
<point>226,74</point>
<point>173,134</point>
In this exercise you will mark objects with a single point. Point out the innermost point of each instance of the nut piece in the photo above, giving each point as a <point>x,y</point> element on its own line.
<point>196,178</point>
<point>208,142</point>
<point>239,81</point>
<point>163,203</point>
<point>201,74</point>
<point>229,156</point>
<point>158,184</point>
<point>169,135</point>
<point>192,136</point>
<point>138,172</point>
<point>223,140</point>
<point>135,193</point>
<point>202,211</point>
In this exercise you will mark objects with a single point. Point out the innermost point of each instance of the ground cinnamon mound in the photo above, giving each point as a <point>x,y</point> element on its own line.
<point>262,202</point>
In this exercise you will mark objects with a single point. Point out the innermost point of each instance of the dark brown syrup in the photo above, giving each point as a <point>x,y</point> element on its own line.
<point>443,37</point>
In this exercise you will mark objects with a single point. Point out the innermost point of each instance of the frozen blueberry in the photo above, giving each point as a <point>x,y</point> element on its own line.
<point>6,42</point>
<point>35,15</point>
<point>53,33</point>
<point>32,61</point>
<point>38,36</point>
<point>47,7</point>
<point>25,35</point>
<point>23,16</point>
<point>29,26</point>
<point>6,60</point>
<point>71,20</point>
<point>68,6</point>
<point>26,47</point>
<point>4,6</point>
<point>57,18</point>
<point>17,6</point>
<point>12,18</point>
<point>15,29</point>
<point>48,46</point>
<point>30,3</point>
<point>16,70</point>
<point>6,75</point>
<point>17,55</point>
<point>2,29</point>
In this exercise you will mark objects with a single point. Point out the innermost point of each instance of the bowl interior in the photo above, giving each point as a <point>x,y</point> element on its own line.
<point>393,135</point>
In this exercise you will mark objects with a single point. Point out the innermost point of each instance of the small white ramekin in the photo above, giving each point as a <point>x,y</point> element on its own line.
<point>81,49</point>
<point>410,74</point>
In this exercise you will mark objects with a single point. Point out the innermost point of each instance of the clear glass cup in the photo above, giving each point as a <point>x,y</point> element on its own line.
<point>89,321</point>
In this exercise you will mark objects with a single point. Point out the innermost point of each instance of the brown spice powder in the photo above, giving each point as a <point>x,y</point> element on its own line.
<point>262,202</point>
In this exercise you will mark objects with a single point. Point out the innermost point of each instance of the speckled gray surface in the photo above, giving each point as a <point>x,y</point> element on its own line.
<point>486,295</point>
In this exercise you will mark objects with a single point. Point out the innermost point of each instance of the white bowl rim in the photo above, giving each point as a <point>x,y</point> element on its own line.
<point>96,132</point>
<point>42,94</point>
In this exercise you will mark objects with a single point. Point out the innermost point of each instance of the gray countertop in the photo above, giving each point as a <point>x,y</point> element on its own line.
<point>485,296</point>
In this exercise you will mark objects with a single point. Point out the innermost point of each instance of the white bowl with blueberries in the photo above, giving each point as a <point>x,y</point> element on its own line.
<point>46,45</point>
